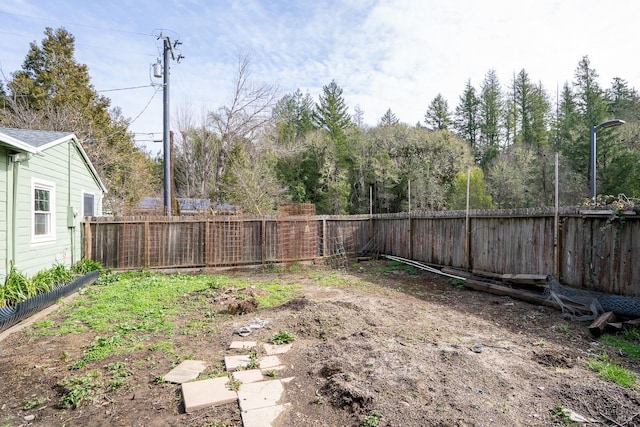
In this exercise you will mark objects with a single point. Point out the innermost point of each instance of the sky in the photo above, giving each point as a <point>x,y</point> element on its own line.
<point>384,54</point>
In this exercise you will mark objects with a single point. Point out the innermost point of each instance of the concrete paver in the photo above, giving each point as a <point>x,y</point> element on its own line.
<point>260,395</point>
<point>272,349</point>
<point>205,393</point>
<point>262,417</point>
<point>241,345</point>
<point>269,362</point>
<point>234,362</point>
<point>186,371</point>
<point>250,376</point>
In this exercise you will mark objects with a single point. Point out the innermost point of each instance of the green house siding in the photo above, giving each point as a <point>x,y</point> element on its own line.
<point>62,171</point>
<point>5,181</point>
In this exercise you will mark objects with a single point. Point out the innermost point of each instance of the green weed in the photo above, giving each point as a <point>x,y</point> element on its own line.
<point>79,388</point>
<point>253,360</point>
<point>561,415</point>
<point>233,384</point>
<point>613,372</point>
<point>282,337</point>
<point>371,420</point>
<point>32,403</point>
<point>100,348</point>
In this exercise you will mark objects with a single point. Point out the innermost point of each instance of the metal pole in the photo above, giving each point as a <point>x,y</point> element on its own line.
<point>556,225</point>
<point>165,130</point>
<point>467,227</point>
<point>593,165</point>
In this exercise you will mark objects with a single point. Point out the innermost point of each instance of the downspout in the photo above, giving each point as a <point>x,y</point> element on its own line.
<point>14,213</point>
<point>70,217</point>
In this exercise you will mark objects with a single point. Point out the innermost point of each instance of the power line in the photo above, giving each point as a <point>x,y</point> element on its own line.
<point>145,107</point>
<point>125,88</point>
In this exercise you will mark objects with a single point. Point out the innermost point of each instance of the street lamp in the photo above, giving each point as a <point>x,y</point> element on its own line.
<point>594,129</point>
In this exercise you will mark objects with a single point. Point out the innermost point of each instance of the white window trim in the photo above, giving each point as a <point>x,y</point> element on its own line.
<point>95,213</point>
<point>51,187</point>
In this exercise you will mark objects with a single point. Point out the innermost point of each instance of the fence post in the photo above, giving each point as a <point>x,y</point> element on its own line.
<point>410,237</point>
<point>147,244</point>
<point>87,239</point>
<point>263,241</point>
<point>324,237</point>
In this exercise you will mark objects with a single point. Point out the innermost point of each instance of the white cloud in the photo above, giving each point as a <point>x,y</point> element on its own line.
<point>396,54</point>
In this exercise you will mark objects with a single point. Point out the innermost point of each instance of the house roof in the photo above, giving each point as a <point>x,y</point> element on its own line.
<point>36,141</point>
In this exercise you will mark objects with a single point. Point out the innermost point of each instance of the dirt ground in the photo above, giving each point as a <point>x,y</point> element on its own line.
<point>399,351</point>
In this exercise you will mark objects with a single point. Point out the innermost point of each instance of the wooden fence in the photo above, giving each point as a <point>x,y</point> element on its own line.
<point>588,249</point>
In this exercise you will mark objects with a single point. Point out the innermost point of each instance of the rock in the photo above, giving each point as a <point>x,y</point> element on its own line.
<point>29,417</point>
<point>477,348</point>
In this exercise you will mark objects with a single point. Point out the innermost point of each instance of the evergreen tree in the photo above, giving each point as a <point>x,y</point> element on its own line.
<point>388,119</point>
<point>568,120</point>
<point>53,92</point>
<point>592,107</point>
<point>331,113</point>
<point>624,101</point>
<point>437,116</point>
<point>467,122</point>
<point>490,113</point>
<point>523,90</point>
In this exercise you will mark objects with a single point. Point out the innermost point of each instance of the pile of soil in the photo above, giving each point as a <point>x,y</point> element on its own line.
<point>395,348</point>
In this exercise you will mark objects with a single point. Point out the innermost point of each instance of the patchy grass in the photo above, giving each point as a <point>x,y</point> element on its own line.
<point>611,371</point>
<point>626,343</point>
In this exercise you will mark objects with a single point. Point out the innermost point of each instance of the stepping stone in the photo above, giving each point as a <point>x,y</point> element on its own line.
<point>186,371</point>
<point>262,417</point>
<point>241,345</point>
<point>260,395</point>
<point>205,393</point>
<point>234,362</point>
<point>272,349</point>
<point>269,362</point>
<point>250,376</point>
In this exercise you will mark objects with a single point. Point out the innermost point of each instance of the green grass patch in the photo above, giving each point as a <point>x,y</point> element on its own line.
<point>100,349</point>
<point>396,266</point>
<point>134,302</point>
<point>277,293</point>
<point>611,371</point>
<point>624,343</point>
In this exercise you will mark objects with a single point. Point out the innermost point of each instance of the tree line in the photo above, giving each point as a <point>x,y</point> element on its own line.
<point>262,149</point>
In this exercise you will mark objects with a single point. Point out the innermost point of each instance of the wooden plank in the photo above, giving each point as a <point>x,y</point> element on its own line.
<point>528,296</point>
<point>525,279</point>
<point>598,326</point>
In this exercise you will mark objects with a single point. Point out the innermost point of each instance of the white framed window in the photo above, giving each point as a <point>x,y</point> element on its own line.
<point>88,204</point>
<point>43,203</point>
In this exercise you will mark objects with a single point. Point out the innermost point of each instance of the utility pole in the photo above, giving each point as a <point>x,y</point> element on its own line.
<point>166,123</point>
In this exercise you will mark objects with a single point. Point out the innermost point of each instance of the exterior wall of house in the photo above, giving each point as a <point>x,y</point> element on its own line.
<point>61,170</point>
<point>5,181</point>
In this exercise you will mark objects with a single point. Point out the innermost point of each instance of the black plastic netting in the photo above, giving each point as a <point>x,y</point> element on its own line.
<point>9,316</point>
<point>618,304</point>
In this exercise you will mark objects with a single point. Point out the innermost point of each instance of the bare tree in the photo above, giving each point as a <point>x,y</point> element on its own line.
<point>197,149</point>
<point>246,115</point>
